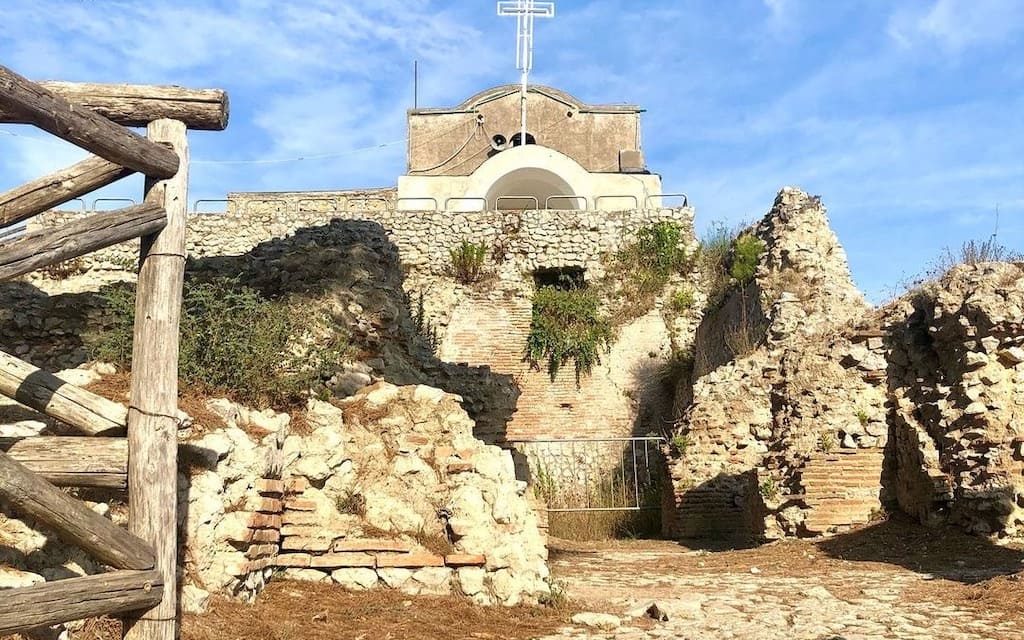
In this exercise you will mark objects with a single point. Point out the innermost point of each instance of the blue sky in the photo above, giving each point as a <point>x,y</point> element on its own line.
<point>907,117</point>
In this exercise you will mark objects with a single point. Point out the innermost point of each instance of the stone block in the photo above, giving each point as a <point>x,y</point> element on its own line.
<point>269,505</point>
<point>295,560</point>
<point>265,521</point>
<point>339,560</point>
<point>416,559</point>
<point>372,544</point>
<point>261,550</point>
<point>394,578</point>
<point>465,560</point>
<point>268,487</point>
<point>262,536</point>
<point>292,543</point>
<point>299,504</point>
<point>355,579</point>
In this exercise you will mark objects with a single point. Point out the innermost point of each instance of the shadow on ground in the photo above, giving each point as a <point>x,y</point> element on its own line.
<point>944,552</point>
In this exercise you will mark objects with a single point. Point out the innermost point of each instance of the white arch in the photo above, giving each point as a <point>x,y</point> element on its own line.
<point>531,170</point>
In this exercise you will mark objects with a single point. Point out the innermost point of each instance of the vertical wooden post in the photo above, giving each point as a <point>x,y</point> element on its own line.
<point>152,422</point>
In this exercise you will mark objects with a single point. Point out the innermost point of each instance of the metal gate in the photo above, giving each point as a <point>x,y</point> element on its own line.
<point>596,474</point>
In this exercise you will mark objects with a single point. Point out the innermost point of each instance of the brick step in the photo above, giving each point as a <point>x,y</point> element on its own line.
<point>841,468</point>
<point>837,503</point>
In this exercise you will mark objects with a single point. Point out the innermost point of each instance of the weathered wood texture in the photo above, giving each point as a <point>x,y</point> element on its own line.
<point>49,246</point>
<point>78,598</point>
<point>74,522</point>
<point>152,425</point>
<point>84,411</point>
<point>57,188</point>
<point>84,127</point>
<point>73,462</point>
<point>134,105</point>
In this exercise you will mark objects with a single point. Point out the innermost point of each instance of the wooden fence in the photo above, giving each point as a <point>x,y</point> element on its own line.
<point>115,446</point>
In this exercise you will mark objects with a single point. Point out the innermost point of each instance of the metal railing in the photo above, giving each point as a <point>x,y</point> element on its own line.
<point>431,199</point>
<point>195,206</point>
<point>686,199</point>
<point>596,474</point>
<point>120,200</point>
<point>481,201</point>
<point>624,196</point>
<point>536,202</point>
<point>576,199</point>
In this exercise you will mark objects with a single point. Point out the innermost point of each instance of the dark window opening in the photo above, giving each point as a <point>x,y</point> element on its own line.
<point>517,139</point>
<point>566,278</point>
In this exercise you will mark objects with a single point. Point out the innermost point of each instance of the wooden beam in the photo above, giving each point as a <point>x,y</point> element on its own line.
<point>57,188</point>
<point>84,411</point>
<point>84,127</point>
<point>134,105</point>
<point>51,603</point>
<point>73,461</point>
<point>73,522</point>
<point>50,246</point>
<point>152,425</point>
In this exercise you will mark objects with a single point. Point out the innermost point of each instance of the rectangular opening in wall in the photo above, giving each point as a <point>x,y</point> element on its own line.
<point>561,277</point>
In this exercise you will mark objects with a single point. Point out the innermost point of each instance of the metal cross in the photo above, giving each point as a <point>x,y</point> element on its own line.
<point>525,12</point>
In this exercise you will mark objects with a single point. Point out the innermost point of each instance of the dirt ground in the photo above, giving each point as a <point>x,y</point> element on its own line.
<point>887,580</point>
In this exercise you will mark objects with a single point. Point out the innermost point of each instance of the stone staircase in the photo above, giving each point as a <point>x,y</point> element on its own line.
<point>842,488</point>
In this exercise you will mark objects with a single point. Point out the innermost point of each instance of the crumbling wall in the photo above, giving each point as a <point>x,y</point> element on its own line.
<point>839,412</point>
<point>957,383</point>
<point>389,489</point>
<point>758,396</point>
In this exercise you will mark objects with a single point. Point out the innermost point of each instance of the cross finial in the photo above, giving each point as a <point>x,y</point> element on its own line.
<point>525,12</point>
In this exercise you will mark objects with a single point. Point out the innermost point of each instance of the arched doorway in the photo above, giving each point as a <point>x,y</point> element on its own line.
<point>536,188</point>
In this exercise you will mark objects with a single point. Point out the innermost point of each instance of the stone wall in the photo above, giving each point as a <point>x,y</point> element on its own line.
<point>483,325</point>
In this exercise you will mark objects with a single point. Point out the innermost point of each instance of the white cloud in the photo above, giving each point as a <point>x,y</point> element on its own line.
<point>956,25</point>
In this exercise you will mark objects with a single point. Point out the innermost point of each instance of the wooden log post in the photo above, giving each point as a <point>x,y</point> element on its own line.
<point>152,421</point>
<point>73,461</point>
<point>50,246</point>
<point>136,105</point>
<point>74,522</point>
<point>86,412</point>
<point>57,188</point>
<point>84,127</point>
<point>51,603</point>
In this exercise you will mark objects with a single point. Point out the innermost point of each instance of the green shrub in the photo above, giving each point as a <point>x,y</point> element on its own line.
<point>827,441</point>
<point>638,273</point>
<point>468,261</point>
<point>713,257</point>
<point>682,300</point>
<point>567,325</point>
<point>235,341</point>
<point>679,444</point>
<point>863,418</point>
<point>747,250</point>
<point>769,489</point>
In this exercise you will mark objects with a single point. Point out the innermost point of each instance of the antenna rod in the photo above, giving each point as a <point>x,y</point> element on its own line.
<point>415,84</point>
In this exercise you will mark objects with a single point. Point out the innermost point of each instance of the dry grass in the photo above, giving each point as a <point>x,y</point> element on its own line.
<point>311,611</point>
<point>316,611</point>
<point>604,525</point>
<point>361,412</point>
<point>117,387</point>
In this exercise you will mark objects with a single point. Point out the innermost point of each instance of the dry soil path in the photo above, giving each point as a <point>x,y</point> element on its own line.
<point>791,591</point>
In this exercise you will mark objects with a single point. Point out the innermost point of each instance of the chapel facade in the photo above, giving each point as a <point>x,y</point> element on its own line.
<point>575,155</point>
